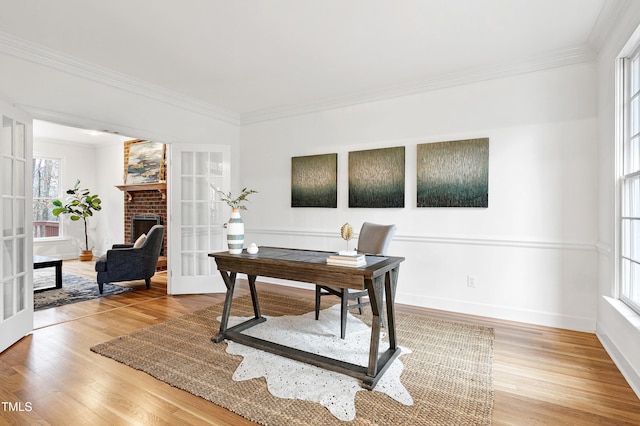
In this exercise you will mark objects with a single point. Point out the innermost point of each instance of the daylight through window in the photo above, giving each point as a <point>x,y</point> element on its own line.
<point>630,184</point>
<point>46,188</point>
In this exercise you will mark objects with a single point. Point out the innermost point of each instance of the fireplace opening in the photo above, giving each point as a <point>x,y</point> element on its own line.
<point>142,224</point>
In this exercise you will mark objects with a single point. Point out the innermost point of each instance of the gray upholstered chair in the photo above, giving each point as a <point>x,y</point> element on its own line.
<point>124,262</point>
<point>374,240</point>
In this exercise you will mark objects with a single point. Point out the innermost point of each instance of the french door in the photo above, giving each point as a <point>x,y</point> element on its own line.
<point>16,265</point>
<point>196,216</point>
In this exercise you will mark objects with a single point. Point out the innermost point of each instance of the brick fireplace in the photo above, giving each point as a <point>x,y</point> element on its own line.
<point>146,202</point>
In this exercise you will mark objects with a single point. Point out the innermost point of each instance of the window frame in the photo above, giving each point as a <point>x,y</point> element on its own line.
<point>60,235</point>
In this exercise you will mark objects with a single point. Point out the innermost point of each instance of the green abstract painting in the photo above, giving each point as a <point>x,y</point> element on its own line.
<point>314,181</point>
<point>376,178</point>
<point>453,174</point>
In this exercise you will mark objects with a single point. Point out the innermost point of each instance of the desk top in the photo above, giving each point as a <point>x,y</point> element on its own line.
<point>304,265</point>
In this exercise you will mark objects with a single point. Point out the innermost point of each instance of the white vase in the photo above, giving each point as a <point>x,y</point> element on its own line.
<point>235,232</point>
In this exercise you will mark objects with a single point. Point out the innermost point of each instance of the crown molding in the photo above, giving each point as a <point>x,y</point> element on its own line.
<point>24,49</point>
<point>611,10</point>
<point>17,47</point>
<point>561,58</point>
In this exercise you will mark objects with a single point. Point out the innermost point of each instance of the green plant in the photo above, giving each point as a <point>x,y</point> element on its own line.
<point>237,202</point>
<point>80,204</point>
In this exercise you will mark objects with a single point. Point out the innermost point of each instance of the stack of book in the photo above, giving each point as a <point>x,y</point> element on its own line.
<point>352,260</point>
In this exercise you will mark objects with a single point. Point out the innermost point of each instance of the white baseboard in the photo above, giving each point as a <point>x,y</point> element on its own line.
<point>491,311</point>
<point>627,370</point>
<point>507,313</point>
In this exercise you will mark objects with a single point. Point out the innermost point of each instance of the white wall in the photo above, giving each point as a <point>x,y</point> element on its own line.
<point>77,162</point>
<point>109,170</point>
<point>617,326</point>
<point>532,252</point>
<point>53,88</point>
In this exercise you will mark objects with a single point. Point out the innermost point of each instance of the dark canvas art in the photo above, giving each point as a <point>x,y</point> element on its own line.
<point>453,174</point>
<point>314,181</point>
<point>376,177</point>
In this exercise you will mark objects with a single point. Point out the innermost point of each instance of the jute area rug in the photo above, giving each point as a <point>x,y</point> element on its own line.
<point>74,289</point>
<point>448,373</point>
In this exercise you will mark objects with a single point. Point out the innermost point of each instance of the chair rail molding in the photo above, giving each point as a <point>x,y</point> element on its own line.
<point>480,240</point>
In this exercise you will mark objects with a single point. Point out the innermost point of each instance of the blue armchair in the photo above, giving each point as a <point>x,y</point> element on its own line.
<point>124,262</point>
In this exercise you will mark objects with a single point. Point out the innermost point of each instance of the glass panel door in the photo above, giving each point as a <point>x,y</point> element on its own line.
<point>197,216</point>
<point>16,286</point>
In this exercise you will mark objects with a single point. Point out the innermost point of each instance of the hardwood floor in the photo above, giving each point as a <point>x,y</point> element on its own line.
<point>541,375</point>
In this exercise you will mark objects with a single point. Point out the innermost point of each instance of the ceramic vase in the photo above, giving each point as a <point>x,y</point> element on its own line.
<point>235,232</point>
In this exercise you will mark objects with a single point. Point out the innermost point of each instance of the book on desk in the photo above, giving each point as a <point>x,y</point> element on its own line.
<point>353,261</point>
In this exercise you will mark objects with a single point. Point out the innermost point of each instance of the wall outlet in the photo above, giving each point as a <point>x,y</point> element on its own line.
<point>471,281</point>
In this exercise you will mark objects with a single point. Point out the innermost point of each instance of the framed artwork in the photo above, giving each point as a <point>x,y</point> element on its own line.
<point>145,163</point>
<point>376,178</point>
<point>314,181</point>
<point>453,174</point>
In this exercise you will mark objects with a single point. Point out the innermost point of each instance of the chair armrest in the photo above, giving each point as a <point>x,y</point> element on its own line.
<point>125,256</point>
<point>121,246</point>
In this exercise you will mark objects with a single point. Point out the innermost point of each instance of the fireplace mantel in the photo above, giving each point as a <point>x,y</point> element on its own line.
<point>132,189</point>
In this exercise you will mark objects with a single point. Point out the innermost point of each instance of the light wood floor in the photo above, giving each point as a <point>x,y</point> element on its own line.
<point>541,375</point>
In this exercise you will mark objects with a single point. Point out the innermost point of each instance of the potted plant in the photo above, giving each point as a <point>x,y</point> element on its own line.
<point>235,226</point>
<point>80,204</point>
<point>237,203</point>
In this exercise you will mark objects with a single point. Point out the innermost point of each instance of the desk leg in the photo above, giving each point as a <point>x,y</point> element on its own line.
<point>254,295</point>
<point>379,363</point>
<point>390,283</point>
<point>374,288</point>
<point>230,282</point>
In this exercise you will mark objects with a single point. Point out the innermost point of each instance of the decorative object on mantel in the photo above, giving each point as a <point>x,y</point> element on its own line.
<point>235,226</point>
<point>80,205</point>
<point>253,249</point>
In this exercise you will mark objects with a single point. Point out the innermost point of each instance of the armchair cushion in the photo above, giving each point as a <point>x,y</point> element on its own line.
<point>141,239</point>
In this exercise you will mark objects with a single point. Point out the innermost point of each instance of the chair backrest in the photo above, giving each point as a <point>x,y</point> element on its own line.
<point>374,239</point>
<point>154,240</point>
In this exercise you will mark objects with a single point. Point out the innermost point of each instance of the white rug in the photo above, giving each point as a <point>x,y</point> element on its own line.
<point>295,380</point>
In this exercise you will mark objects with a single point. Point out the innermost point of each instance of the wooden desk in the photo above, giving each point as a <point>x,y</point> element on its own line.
<point>48,262</point>
<point>378,277</point>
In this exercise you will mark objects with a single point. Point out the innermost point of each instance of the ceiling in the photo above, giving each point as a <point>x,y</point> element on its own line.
<point>254,56</point>
<point>45,131</point>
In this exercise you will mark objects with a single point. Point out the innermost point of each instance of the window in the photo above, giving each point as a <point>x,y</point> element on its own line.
<point>46,188</point>
<point>630,185</point>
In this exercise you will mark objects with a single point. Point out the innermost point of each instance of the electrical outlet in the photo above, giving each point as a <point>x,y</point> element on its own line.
<point>471,281</point>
